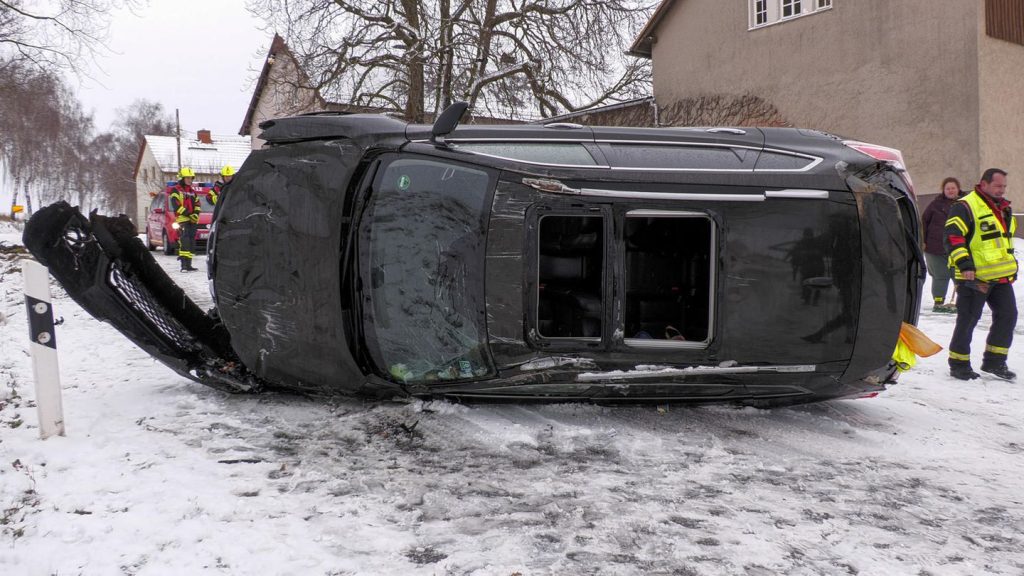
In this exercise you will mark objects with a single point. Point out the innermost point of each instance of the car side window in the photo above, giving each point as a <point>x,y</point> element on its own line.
<point>664,264</point>
<point>669,276</point>
<point>570,276</point>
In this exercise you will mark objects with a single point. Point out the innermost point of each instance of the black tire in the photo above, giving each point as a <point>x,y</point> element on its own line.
<point>149,241</point>
<point>169,249</point>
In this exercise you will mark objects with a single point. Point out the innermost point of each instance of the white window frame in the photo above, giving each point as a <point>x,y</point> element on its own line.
<point>794,6</point>
<point>759,13</point>
<point>771,11</point>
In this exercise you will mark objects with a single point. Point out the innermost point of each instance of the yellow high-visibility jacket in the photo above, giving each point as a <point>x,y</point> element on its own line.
<point>989,242</point>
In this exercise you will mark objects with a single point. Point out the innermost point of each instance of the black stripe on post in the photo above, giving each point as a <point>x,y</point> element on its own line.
<point>40,322</point>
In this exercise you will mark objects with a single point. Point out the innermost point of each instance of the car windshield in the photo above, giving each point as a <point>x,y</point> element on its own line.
<point>422,271</point>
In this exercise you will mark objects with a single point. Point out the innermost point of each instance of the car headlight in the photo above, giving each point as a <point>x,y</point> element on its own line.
<point>175,225</point>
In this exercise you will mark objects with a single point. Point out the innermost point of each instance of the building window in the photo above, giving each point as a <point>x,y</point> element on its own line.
<point>767,12</point>
<point>760,12</point>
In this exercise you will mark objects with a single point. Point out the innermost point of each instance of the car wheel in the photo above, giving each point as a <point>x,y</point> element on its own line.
<point>169,248</point>
<point>149,241</point>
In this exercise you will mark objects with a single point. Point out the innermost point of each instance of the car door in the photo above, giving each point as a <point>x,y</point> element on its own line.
<point>155,218</point>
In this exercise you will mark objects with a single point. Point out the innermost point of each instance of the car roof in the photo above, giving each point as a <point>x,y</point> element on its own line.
<point>382,132</point>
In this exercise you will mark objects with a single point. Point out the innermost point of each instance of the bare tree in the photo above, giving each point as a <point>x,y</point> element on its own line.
<point>721,110</point>
<point>50,150</point>
<point>116,152</point>
<point>44,137</point>
<point>54,33</point>
<point>509,58</point>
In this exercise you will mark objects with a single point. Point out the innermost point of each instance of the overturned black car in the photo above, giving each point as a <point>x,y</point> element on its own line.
<point>357,254</point>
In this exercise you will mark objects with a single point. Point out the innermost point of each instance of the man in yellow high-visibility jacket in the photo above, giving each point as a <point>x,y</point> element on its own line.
<point>979,241</point>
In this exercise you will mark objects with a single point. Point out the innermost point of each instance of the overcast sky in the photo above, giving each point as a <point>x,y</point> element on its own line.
<point>199,56</point>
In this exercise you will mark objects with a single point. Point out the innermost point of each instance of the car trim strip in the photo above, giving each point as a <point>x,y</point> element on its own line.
<point>665,195</point>
<point>665,213</point>
<point>797,193</point>
<point>668,372</point>
<point>557,187</point>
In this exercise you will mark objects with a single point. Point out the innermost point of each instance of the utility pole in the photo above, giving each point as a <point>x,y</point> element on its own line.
<point>177,130</point>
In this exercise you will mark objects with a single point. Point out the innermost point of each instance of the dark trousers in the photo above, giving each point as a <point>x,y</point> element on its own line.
<point>186,240</point>
<point>939,269</point>
<point>969,304</point>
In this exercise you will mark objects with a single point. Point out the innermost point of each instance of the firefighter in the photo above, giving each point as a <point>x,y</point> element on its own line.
<point>979,241</point>
<point>226,174</point>
<point>185,204</point>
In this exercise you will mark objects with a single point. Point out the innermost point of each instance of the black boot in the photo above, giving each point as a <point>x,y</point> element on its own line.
<point>999,370</point>
<point>186,265</point>
<point>963,372</point>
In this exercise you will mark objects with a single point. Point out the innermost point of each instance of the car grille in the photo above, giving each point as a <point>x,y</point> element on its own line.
<point>138,297</point>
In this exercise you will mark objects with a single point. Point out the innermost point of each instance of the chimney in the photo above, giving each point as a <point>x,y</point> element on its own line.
<point>204,137</point>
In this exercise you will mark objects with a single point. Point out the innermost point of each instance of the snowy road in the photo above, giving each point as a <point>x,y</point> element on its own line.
<point>159,475</point>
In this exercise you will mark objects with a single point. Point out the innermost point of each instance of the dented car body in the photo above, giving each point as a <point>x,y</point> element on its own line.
<point>356,254</point>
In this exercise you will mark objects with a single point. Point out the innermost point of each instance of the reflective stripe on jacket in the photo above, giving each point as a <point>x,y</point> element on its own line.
<point>989,245</point>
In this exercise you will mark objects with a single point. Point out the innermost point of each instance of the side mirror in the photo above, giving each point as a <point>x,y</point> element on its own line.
<point>447,122</point>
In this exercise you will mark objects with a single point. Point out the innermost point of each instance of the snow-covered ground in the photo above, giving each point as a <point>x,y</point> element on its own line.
<point>159,475</point>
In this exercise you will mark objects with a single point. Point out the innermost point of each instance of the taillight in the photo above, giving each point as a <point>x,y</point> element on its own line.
<point>885,154</point>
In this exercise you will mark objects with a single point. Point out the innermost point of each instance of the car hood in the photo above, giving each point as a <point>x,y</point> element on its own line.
<point>278,248</point>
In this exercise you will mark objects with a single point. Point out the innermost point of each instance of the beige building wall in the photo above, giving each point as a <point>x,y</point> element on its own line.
<point>897,73</point>
<point>148,179</point>
<point>1001,86</point>
<point>280,97</point>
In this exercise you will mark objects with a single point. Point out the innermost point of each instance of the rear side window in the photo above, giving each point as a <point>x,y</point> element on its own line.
<point>566,154</point>
<point>672,157</point>
<point>778,161</point>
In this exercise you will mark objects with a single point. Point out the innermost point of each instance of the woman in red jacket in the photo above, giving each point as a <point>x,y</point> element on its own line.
<point>934,221</point>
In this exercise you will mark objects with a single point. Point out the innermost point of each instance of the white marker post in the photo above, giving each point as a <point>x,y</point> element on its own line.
<point>44,349</point>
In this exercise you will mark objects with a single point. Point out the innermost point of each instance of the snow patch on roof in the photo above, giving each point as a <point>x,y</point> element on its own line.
<point>201,157</point>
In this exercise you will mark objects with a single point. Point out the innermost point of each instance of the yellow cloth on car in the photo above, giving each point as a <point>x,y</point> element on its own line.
<point>918,341</point>
<point>911,344</point>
